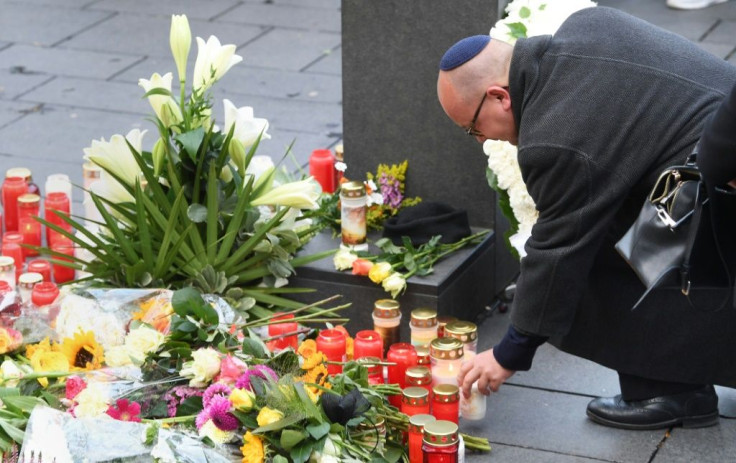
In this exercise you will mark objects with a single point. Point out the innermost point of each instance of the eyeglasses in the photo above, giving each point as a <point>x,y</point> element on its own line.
<point>471,130</point>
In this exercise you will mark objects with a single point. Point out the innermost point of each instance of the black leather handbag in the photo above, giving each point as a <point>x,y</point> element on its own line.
<point>682,238</point>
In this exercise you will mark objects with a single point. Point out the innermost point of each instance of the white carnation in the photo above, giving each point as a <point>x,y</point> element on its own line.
<point>92,402</point>
<point>539,17</point>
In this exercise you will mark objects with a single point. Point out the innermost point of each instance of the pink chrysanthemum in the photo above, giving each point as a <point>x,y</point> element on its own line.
<point>261,371</point>
<point>215,390</point>
<point>220,415</point>
<point>74,385</point>
<point>124,410</point>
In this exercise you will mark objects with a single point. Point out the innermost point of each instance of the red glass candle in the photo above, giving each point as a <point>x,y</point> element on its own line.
<point>375,372</point>
<point>414,401</point>
<point>26,175</point>
<point>14,251</point>
<point>404,356</point>
<point>31,231</point>
<point>56,201</point>
<point>13,188</point>
<point>279,329</point>
<point>13,237</point>
<point>423,356</point>
<point>62,273</point>
<point>40,266</point>
<point>322,168</point>
<point>416,433</point>
<point>367,343</point>
<point>440,442</point>
<point>44,293</point>
<point>446,402</point>
<point>419,376</point>
<point>333,344</point>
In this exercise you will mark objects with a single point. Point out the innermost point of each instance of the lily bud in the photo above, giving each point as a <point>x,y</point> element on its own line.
<point>159,156</point>
<point>237,153</point>
<point>301,195</point>
<point>180,39</point>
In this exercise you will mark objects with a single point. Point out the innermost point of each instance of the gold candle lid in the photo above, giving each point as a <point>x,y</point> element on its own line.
<point>446,349</point>
<point>91,170</point>
<point>6,263</point>
<point>29,198</point>
<point>28,279</point>
<point>418,421</point>
<point>415,396</point>
<point>423,318</point>
<point>339,152</point>
<point>464,331</point>
<point>443,320</point>
<point>21,172</point>
<point>446,393</point>
<point>386,308</point>
<point>352,189</point>
<point>422,355</point>
<point>440,433</point>
<point>418,376</point>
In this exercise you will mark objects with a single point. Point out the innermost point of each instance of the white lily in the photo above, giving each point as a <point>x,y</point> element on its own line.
<point>115,156</point>
<point>180,39</point>
<point>109,188</point>
<point>247,127</point>
<point>165,107</point>
<point>213,61</point>
<point>301,195</point>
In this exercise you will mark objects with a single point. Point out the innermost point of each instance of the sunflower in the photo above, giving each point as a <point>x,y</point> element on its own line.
<point>82,351</point>
<point>313,361</point>
<point>252,449</point>
<point>316,375</point>
<point>44,346</point>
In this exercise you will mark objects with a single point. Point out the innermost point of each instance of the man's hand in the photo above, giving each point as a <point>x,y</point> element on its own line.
<point>486,370</point>
<point>732,183</point>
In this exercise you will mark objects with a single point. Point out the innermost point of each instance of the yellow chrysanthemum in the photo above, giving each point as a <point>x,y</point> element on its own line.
<point>252,449</point>
<point>43,360</point>
<point>314,360</point>
<point>307,348</point>
<point>82,351</point>
<point>268,415</point>
<point>316,375</point>
<point>44,345</point>
<point>349,348</point>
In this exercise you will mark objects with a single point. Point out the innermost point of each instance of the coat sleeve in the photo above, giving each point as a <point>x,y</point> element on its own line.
<point>717,155</point>
<point>577,199</point>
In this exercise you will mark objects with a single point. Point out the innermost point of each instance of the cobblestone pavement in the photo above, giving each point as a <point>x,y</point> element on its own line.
<point>69,72</point>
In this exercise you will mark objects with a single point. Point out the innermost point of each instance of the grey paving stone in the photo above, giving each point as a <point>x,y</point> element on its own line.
<point>61,134</point>
<point>64,3</point>
<point>556,422</point>
<point>288,49</point>
<point>509,454</point>
<point>704,445</point>
<point>721,50</point>
<point>65,62</point>
<point>91,94</point>
<point>11,111</point>
<point>241,80</point>
<point>724,33</point>
<point>288,16</point>
<point>304,144</point>
<point>4,45</point>
<point>192,8</point>
<point>13,84</point>
<point>312,3</point>
<point>299,116</point>
<point>149,35</point>
<point>726,401</point>
<point>20,22</point>
<point>329,63</point>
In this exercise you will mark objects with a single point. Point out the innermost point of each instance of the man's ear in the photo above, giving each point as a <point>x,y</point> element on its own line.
<point>501,94</point>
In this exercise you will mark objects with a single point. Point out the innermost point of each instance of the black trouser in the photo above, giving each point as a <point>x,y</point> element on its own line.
<point>638,388</point>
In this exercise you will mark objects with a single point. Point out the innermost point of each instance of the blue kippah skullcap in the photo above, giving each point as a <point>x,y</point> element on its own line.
<point>463,51</point>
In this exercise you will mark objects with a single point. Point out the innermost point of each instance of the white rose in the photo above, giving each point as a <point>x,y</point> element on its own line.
<point>10,373</point>
<point>143,340</point>
<point>117,356</point>
<point>204,366</point>
<point>394,284</point>
<point>91,402</point>
<point>344,259</point>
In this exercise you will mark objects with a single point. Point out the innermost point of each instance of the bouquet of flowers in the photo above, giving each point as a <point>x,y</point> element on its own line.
<point>524,18</point>
<point>195,209</point>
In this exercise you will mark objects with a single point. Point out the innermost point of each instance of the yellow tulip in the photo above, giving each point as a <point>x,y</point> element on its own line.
<point>242,399</point>
<point>268,415</point>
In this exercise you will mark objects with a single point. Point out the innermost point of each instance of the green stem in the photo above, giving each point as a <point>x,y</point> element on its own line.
<point>176,419</point>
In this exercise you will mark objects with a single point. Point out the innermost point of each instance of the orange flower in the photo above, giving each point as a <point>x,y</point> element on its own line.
<point>349,348</point>
<point>362,267</point>
<point>307,348</point>
<point>313,361</point>
<point>155,311</point>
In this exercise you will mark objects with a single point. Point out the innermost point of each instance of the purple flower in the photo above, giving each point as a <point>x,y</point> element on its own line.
<point>215,390</point>
<point>261,371</point>
<point>390,190</point>
<point>177,395</point>
<point>219,412</point>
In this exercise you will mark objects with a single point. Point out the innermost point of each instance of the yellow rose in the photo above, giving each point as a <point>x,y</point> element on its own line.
<point>267,416</point>
<point>242,400</point>
<point>315,359</point>
<point>48,361</point>
<point>379,272</point>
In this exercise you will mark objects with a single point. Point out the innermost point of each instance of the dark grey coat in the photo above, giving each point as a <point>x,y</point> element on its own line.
<point>601,109</point>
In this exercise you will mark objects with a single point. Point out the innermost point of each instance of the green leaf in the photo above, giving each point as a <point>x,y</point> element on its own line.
<point>301,453</point>
<point>318,430</point>
<point>185,300</point>
<point>197,213</point>
<point>518,30</point>
<point>280,424</point>
<point>212,213</point>
<point>524,12</point>
<point>253,348</point>
<point>280,459</point>
<point>120,237</point>
<point>13,432</point>
<point>236,222</point>
<point>191,141</point>
<point>157,91</point>
<point>145,240</point>
<point>22,403</point>
<point>290,438</point>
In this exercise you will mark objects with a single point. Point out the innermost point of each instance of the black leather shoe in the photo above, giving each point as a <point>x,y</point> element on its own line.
<point>694,409</point>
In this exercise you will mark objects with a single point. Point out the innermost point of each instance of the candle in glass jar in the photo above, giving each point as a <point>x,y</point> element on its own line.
<point>333,344</point>
<point>367,343</point>
<point>466,332</point>
<point>44,293</point>
<point>423,356</point>
<point>416,433</point>
<point>279,329</point>
<point>62,273</point>
<point>386,320</point>
<point>423,326</point>
<point>419,377</point>
<point>375,371</point>
<point>440,442</point>
<point>25,174</point>
<point>14,251</point>
<point>442,321</point>
<point>59,183</point>
<point>91,173</point>
<point>40,266</point>
<point>56,202</point>
<point>322,168</point>
<point>12,189</point>
<point>26,282</point>
<point>446,402</point>
<point>474,407</point>
<point>404,356</point>
<point>31,231</point>
<point>7,270</point>
<point>446,355</point>
<point>414,401</point>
